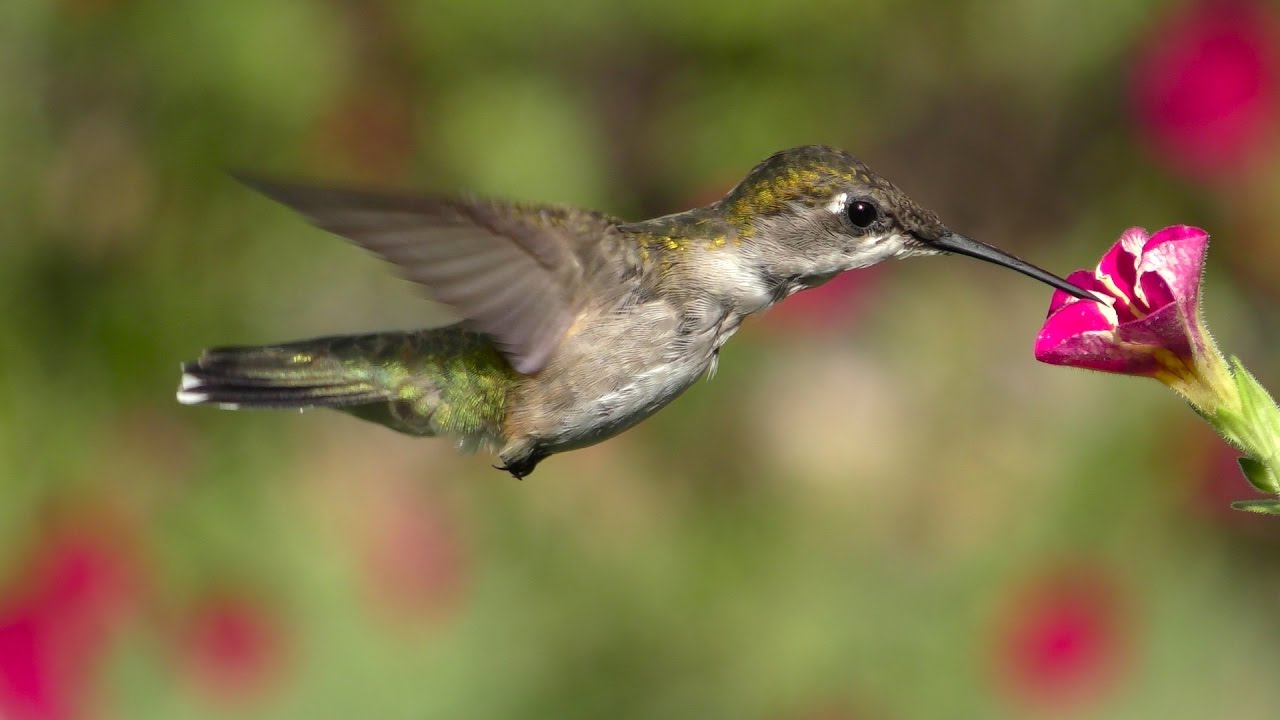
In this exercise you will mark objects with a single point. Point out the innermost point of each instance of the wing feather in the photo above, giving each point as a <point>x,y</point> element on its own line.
<point>503,268</point>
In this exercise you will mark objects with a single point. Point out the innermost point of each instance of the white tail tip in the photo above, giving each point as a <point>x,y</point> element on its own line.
<point>187,397</point>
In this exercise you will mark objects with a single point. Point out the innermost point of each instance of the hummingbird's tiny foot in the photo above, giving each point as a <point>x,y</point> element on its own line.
<point>514,473</point>
<point>521,467</point>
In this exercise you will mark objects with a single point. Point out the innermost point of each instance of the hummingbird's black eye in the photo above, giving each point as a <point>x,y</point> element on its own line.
<point>862,213</point>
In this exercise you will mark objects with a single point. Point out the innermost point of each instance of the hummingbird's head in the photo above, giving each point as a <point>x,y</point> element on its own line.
<point>810,212</point>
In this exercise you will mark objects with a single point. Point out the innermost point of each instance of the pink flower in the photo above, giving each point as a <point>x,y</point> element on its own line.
<point>1062,641</point>
<point>414,559</point>
<point>1150,323</point>
<point>1146,321</point>
<point>1206,86</point>
<point>58,618</point>
<point>1212,474</point>
<point>233,647</point>
<point>836,303</point>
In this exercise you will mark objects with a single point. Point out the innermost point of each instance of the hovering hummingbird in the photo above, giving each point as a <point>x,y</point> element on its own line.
<point>576,325</point>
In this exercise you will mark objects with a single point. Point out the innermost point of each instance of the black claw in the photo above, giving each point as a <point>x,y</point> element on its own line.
<point>522,468</point>
<point>516,472</point>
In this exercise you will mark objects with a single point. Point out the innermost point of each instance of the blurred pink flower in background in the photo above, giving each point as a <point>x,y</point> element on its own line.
<point>59,614</point>
<point>1213,482</point>
<point>400,534</point>
<point>233,647</point>
<point>1205,88</point>
<point>413,558</point>
<point>835,304</point>
<point>1062,639</point>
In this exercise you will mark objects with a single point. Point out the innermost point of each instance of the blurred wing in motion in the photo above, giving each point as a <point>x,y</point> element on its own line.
<point>504,268</point>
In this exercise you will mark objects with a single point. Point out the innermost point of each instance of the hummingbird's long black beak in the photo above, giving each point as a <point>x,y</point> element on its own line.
<point>961,245</point>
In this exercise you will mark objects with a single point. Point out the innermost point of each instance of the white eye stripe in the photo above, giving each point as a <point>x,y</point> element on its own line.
<point>838,203</point>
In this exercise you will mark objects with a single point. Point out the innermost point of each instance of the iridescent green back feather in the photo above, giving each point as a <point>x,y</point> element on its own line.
<point>446,381</point>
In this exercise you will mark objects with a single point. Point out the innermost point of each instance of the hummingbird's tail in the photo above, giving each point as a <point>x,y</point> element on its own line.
<point>282,376</point>
<point>446,381</point>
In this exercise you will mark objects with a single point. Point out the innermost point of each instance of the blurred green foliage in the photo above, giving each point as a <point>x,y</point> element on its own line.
<point>891,511</point>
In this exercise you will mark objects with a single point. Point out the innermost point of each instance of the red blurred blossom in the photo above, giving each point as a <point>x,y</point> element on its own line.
<point>1206,86</point>
<point>833,304</point>
<point>58,617</point>
<point>1150,325</point>
<point>233,647</point>
<point>414,559</point>
<point>1214,475</point>
<point>1062,640</point>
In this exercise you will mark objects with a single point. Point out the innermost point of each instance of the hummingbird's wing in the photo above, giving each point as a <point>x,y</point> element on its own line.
<point>509,271</point>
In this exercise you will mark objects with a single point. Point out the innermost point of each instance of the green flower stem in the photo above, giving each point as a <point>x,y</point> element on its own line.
<point>1251,422</point>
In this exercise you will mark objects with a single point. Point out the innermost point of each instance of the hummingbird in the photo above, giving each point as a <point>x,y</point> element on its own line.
<point>575,325</point>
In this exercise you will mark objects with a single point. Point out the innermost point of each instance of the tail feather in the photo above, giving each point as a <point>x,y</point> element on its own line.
<point>439,381</point>
<point>273,377</point>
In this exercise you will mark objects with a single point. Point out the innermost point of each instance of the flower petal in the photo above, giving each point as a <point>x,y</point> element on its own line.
<point>1082,335</point>
<point>1072,321</point>
<point>1176,254</point>
<point>1118,269</point>
<point>1155,292</point>
<point>1077,318</point>
<point>1165,328</point>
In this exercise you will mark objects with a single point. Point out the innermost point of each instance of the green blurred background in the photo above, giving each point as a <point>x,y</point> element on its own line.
<point>881,507</point>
